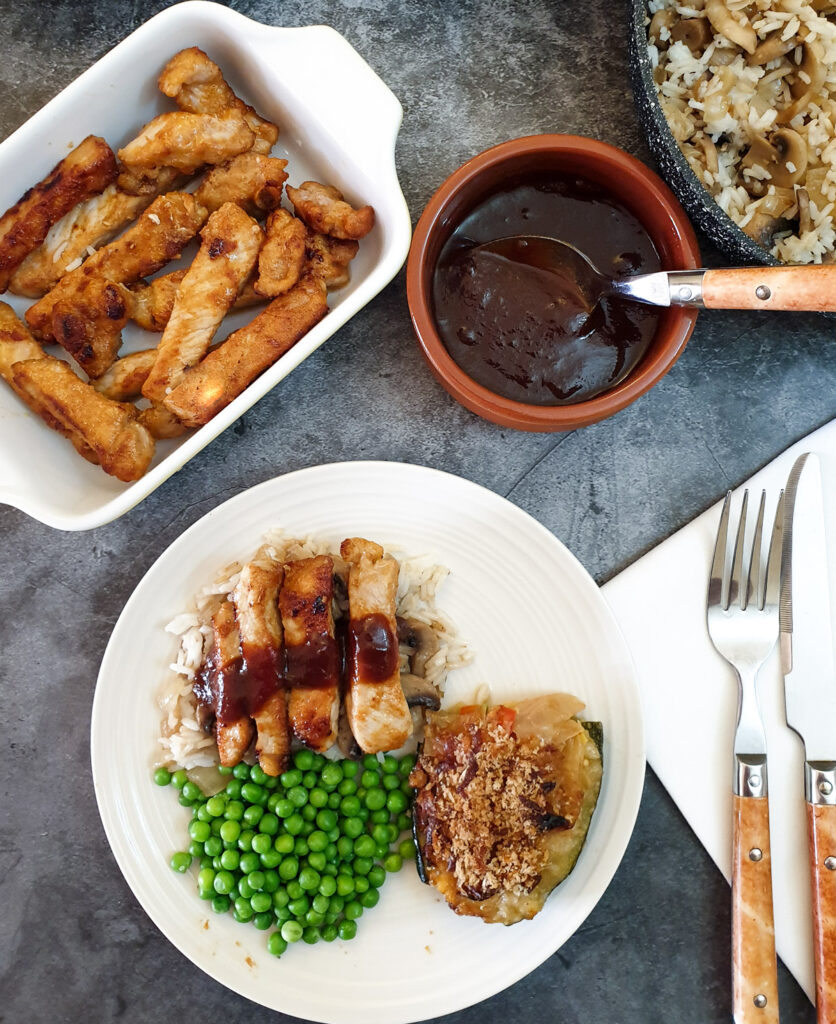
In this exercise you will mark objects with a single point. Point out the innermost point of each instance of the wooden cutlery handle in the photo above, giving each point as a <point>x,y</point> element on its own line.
<point>821,830</point>
<point>754,969</point>
<point>810,288</point>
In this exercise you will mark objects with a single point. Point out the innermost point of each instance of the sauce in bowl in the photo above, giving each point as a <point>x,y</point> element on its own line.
<point>521,330</point>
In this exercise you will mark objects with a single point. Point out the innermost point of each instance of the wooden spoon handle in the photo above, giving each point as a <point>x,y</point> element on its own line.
<point>754,968</point>
<point>799,288</point>
<point>821,831</point>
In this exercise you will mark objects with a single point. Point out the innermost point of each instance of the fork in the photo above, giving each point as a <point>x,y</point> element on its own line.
<point>742,616</point>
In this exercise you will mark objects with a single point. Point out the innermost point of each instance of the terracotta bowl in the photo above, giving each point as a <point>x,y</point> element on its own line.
<point>626,179</point>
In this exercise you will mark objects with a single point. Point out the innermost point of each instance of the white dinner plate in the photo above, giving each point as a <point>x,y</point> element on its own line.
<point>535,622</point>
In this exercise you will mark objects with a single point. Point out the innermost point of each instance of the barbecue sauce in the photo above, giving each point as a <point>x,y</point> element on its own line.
<point>314,664</point>
<point>372,652</point>
<point>518,329</point>
<point>239,689</point>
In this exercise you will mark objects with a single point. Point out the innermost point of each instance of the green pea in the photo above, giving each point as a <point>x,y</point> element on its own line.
<point>215,825</point>
<point>276,945</point>
<point>345,885</point>
<point>317,841</point>
<point>361,884</point>
<point>375,799</point>
<point>220,904</point>
<point>326,819</point>
<point>303,760</point>
<point>205,862</point>
<point>258,775</point>
<point>263,921</point>
<point>223,770</point>
<point>404,822</point>
<point>230,860</point>
<point>202,814</point>
<point>262,843</point>
<point>244,888</point>
<point>300,847</point>
<point>213,846</point>
<point>336,905</point>
<point>381,850</point>
<point>407,849</point>
<point>317,797</point>
<point>317,861</point>
<point>329,933</point>
<point>347,787</point>
<point>270,858</point>
<point>362,865</point>
<point>331,853</point>
<point>206,879</point>
<point>364,846</point>
<point>280,898</point>
<point>406,765</point>
<point>249,862</point>
<point>245,840</point>
<point>224,882</point>
<point>309,879</point>
<point>284,843</point>
<point>243,908</point>
<point>179,779</point>
<point>271,879</point>
<point>196,849</point>
<point>295,890</point>
<point>253,815</point>
<point>309,780</point>
<point>181,862</point>
<point>294,824</point>
<point>261,902</point>
<point>353,827</point>
<point>308,813</point>
<point>230,830</point>
<point>394,862</point>
<point>184,800</point>
<point>370,899</point>
<point>396,802</point>
<point>282,914</point>
<point>327,885</point>
<point>162,776</point>
<point>311,935</point>
<point>291,779</point>
<point>253,793</point>
<point>299,907</point>
<point>298,796</point>
<point>199,831</point>
<point>353,910</point>
<point>347,930</point>
<point>216,805</point>
<point>269,824</point>
<point>391,782</point>
<point>234,810</point>
<point>255,879</point>
<point>334,800</point>
<point>233,789</point>
<point>331,775</point>
<point>288,868</point>
<point>284,808</point>
<point>370,779</point>
<point>192,791</point>
<point>241,771</point>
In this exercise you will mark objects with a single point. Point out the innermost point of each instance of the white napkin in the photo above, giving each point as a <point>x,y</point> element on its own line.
<point>689,698</point>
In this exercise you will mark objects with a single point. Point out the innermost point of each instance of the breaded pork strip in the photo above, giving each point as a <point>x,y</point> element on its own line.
<point>226,372</point>
<point>87,226</point>
<point>16,346</point>
<point>123,381</point>
<point>312,656</point>
<point>323,208</point>
<point>150,305</point>
<point>229,247</point>
<point>186,142</point>
<point>88,322</point>
<point>122,446</point>
<point>328,258</point>
<point>375,704</point>
<point>160,423</point>
<point>282,256</point>
<point>159,235</point>
<point>252,180</point>
<point>83,173</point>
<point>233,728</point>
<point>196,84</point>
<point>256,610</point>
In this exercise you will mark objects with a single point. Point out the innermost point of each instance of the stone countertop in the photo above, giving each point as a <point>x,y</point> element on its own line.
<point>74,944</point>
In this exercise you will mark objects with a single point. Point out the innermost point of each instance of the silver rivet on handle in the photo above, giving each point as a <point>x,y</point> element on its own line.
<point>755,854</point>
<point>830,863</point>
<point>825,787</point>
<point>762,292</point>
<point>760,1000</point>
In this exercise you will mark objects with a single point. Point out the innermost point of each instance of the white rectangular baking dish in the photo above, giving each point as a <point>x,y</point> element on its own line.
<point>338,125</point>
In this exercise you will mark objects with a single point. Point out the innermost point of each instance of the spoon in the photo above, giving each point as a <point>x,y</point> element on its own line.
<point>811,288</point>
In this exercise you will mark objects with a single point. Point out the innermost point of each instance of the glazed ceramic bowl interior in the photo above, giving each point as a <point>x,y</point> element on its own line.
<point>630,183</point>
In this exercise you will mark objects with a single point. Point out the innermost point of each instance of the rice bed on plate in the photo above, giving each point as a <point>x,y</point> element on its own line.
<point>748,88</point>
<point>182,740</point>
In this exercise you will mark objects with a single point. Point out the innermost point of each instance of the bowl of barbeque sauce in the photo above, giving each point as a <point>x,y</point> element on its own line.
<point>503,338</point>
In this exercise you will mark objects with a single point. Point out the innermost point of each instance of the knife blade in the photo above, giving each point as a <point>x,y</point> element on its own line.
<point>807,661</point>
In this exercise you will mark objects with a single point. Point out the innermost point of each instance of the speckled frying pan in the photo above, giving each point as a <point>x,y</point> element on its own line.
<point>674,168</point>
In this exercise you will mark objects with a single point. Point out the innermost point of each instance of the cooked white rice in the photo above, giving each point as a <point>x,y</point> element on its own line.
<point>183,743</point>
<point>718,104</point>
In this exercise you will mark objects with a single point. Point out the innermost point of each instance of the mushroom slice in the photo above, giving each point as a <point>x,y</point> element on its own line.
<point>768,216</point>
<point>422,640</point>
<point>662,19</point>
<point>784,157</point>
<point>773,47</point>
<point>723,22</point>
<point>694,32</point>
<point>805,89</point>
<point>420,692</point>
<point>805,220</point>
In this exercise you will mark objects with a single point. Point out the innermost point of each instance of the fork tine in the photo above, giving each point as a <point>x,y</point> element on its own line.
<point>755,584</point>
<point>773,566</point>
<point>737,594</point>
<point>718,584</point>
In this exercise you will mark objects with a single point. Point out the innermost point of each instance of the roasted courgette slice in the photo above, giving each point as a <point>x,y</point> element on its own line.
<point>505,796</point>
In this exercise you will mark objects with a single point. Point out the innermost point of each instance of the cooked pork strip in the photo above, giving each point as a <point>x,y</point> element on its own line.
<point>225,373</point>
<point>256,610</point>
<point>158,236</point>
<point>87,226</point>
<point>196,84</point>
<point>186,142</point>
<point>312,656</point>
<point>230,242</point>
<point>123,381</point>
<point>323,208</point>
<point>88,322</point>
<point>252,180</point>
<point>122,446</point>
<point>282,256</point>
<point>376,707</point>
<point>233,732</point>
<point>328,258</point>
<point>83,173</point>
<point>160,423</point>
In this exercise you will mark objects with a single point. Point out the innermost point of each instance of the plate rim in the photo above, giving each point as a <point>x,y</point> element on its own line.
<point>627,810</point>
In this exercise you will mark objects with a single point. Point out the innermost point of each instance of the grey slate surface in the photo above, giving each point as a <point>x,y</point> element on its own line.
<point>74,944</point>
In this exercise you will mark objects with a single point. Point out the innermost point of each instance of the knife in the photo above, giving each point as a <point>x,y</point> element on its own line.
<point>807,661</point>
